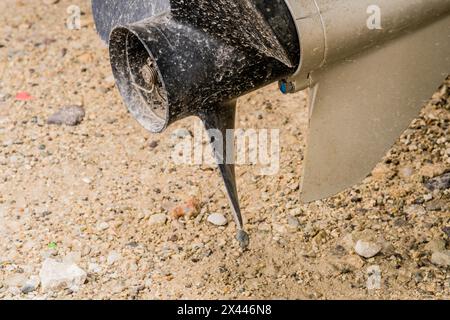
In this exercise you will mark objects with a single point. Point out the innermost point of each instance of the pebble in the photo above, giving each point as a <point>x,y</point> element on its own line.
<point>415,209</point>
<point>387,248</point>
<point>264,227</point>
<point>153,144</point>
<point>353,261</point>
<point>380,172</point>
<point>279,228</point>
<point>405,172</point>
<point>293,222</point>
<point>320,237</point>
<point>438,205</point>
<point>94,268</point>
<point>69,115</point>
<point>432,170</point>
<point>296,212</point>
<point>218,219</point>
<point>31,285</point>
<point>441,258</point>
<point>113,257</point>
<point>367,249</point>
<point>110,79</point>
<point>55,275</point>
<point>439,183</point>
<point>16,280</point>
<point>189,209</point>
<point>157,219</point>
<point>446,230</point>
<point>102,226</point>
<point>347,242</point>
<point>435,245</point>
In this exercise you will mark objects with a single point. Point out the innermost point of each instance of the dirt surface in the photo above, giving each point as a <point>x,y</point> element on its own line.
<point>87,194</point>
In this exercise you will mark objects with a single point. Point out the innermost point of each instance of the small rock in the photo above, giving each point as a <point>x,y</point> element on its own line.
<point>381,172</point>
<point>117,287</point>
<point>110,79</point>
<point>264,227</point>
<point>69,115</point>
<point>189,209</point>
<point>16,280</point>
<point>438,205</point>
<point>435,245</point>
<point>293,222</point>
<point>279,228</point>
<point>296,212</point>
<point>353,262</point>
<point>102,226</point>
<point>31,285</point>
<point>446,230</point>
<point>405,173</point>
<point>113,257</point>
<point>439,183</point>
<point>218,219</point>
<point>387,248</point>
<point>400,222</point>
<point>415,209</point>
<point>87,180</point>
<point>367,249</point>
<point>441,258</point>
<point>347,242</point>
<point>320,237</point>
<point>339,251</point>
<point>55,275</point>
<point>153,144</point>
<point>94,268</point>
<point>432,170</point>
<point>157,219</point>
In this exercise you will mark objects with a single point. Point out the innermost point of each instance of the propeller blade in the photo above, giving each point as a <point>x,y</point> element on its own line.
<point>360,107</point>
<point>220,125</point>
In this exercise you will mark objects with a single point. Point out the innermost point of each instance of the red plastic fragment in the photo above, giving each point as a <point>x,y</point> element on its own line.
<point>23,96</point>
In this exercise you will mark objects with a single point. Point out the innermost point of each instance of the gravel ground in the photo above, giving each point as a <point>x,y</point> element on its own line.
<point>95,200</point>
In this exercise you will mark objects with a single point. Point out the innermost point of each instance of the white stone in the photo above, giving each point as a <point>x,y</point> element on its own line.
<point>87,180</point>
<point>31,285</point>
<point>113,257</point>
<point>157,219</point>
<point>55,275</point>
<point>102,226</point>
<point>441,258</point>
<point>405,172</point>
<point>217,219</point>
<point>367,249</point>
<point>94,268</point>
